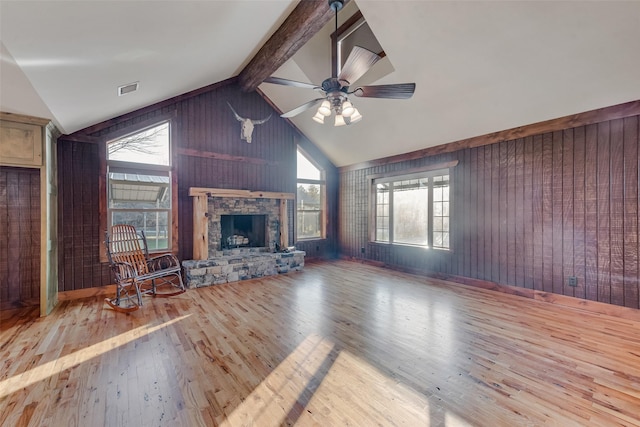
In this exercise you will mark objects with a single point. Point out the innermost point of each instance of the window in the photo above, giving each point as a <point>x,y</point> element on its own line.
<point>310,217</point>
<point>139,184</point>
<point>413,209</point>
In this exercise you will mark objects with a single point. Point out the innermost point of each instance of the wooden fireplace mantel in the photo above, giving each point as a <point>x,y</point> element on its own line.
<point>200,214</point>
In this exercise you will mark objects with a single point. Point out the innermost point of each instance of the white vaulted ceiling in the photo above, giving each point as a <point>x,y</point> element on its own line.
<point>479,66</point>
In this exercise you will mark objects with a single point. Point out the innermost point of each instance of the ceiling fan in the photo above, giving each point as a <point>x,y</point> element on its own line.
<point>336,88</point>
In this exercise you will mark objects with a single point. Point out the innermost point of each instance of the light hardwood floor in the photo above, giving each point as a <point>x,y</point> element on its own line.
<point>337,344</point>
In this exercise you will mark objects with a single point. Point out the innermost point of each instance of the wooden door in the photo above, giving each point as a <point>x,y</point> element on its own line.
<point>19,237</point>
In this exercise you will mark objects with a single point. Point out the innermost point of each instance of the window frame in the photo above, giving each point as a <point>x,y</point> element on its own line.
<point>169,170</point>
<point>351,25</point>
<point>413,173</point>
<point>322,182</point>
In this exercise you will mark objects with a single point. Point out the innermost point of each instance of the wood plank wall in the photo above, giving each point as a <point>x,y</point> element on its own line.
<point>79,231</point>
<point>210,153</point>
<point>19,237</point>
<point>527,212</point>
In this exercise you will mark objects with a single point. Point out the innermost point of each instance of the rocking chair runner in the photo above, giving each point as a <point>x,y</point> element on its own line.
<point>136,273</point>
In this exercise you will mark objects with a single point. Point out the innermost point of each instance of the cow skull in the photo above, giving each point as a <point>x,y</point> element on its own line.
<point>247,125</point>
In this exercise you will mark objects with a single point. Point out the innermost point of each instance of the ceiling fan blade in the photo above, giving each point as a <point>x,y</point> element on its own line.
<point>302,108</point>
<point>286,82</point>
<point>358,63</point>
<point>392,91</point>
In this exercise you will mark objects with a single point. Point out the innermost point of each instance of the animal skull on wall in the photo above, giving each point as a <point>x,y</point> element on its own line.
<point>247,125</point>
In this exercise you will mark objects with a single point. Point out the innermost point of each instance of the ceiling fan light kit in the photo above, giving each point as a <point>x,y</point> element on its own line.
<point>318,118</point>
<point>355,117</point>
<point>325,108</point>
<point>347,109</point>
<point>336,88</point>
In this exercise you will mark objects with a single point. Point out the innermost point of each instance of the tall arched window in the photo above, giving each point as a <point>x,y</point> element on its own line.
<point>139,183</point>
<point>311,199</point>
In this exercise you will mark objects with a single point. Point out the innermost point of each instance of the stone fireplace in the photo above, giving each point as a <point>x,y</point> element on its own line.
<point>238,235</point>
<point>231,220</point>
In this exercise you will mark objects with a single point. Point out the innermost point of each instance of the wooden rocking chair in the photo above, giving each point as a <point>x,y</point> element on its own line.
<point>136,273</point>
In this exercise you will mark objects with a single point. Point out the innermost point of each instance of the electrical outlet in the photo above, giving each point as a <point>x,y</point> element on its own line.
<point>572,281</point>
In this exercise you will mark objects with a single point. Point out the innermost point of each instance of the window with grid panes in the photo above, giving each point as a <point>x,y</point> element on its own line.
<point>139,183</point>
<point>413,209</point>
<point>310,199</point>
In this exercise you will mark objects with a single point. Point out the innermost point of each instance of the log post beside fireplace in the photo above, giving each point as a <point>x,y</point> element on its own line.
<point>200,227</point>
<point>200,214</point>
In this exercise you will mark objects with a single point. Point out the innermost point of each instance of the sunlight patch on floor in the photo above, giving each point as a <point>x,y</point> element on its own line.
<point>41,372</point>
<point>451,420</point>
<point>319,385</point>
<point>355,386</point>
<point>281,391</point>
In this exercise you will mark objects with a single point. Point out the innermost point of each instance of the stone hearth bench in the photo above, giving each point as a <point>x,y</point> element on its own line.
<point>236,265</point>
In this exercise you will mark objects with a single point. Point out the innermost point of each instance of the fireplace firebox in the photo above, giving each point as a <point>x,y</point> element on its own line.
<point>243,231</point>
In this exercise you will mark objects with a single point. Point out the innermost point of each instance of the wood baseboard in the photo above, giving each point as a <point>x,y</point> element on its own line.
<point>564,300</point>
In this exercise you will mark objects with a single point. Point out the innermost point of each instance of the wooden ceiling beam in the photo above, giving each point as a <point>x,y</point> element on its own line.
<point>300,26</point>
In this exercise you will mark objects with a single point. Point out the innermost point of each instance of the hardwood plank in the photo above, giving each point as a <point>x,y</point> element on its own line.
<point>474,200</point>
<point>16,233</point>
<point>591,213</point>
<point>537,204</point>
<point>461,192</point>
<point>65,185</point>
<point>528,213</point>
<point>604,211</point>
<point>578,189</point>
<point>631,263</point>
<point>503,218</point>
<point>547,212</point>
<point>340,343</point>
<point>510,202</point>
<point>481,231</point>
<point>616,225</point>
<point>557,214</point>
<point>518,202</point>
<point>496,213</point>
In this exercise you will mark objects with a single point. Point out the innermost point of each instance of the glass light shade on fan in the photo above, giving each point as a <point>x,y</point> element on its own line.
<point>340,120</point>
<point>325,108</point>
<point>347,109</point>
<point>355,116</point>
<point>319,118</point>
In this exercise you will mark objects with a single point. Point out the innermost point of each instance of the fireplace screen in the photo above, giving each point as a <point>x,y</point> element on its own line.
<point>243,230</point>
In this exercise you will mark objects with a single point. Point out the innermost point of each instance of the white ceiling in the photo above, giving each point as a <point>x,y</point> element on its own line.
<point>479,66</point>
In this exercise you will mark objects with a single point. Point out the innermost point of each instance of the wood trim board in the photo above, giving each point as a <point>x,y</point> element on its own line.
<point>619,111</point>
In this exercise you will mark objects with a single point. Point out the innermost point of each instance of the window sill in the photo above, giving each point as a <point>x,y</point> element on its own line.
<point>407,245</point>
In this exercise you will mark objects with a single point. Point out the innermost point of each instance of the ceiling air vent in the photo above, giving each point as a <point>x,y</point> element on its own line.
<point>128,88</point>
